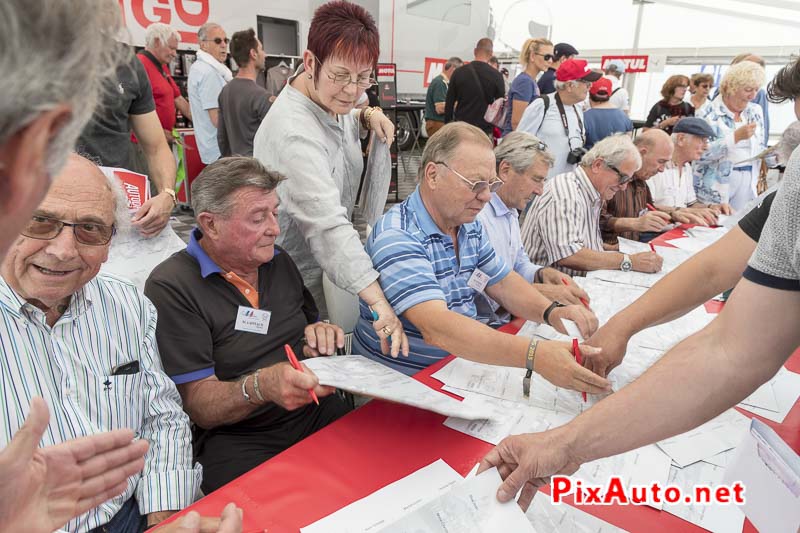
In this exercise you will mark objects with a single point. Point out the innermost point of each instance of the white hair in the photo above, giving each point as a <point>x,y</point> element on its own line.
<point>202,33</point>
<point>614,150</point>
<point>521,150</point>
<point>55,53</point>
<point>161,32</point>
<point>563,85</point>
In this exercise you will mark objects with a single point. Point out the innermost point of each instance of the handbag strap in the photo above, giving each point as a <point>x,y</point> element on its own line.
<point>480,85</point>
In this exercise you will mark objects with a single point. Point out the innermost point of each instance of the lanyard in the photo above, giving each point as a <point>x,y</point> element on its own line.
<point>564,122</point>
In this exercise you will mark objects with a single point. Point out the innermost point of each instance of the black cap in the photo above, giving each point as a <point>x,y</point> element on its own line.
<point>694,126</point>
<point>563,50</point>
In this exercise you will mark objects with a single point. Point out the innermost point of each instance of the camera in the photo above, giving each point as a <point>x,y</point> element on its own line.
<point>575,155</point>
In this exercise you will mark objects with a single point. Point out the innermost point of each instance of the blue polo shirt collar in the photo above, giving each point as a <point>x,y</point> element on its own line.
<point>207,265</point>
<point>424,220</point>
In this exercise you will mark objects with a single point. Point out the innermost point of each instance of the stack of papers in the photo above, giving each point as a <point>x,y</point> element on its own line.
<point>360,375</point>
<point>551,518</point>
<point>775,398</point>
<point>704,442</point>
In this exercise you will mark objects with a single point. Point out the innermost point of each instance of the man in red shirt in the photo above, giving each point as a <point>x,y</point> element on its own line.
<point>161,47</point>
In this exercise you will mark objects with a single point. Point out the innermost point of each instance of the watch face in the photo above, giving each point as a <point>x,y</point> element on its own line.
<point>626,266</point>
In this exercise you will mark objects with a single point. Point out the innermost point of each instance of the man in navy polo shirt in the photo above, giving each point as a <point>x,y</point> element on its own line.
<point>227,306</point>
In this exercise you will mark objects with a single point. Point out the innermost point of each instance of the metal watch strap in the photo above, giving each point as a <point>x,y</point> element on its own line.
<point>256,387</point>
<point>244,389</point>
<point>171,193</point>
<point>546,315</point>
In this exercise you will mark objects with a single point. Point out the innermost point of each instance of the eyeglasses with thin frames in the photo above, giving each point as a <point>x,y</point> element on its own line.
<point>623,178</point>
<point>343,79</point>
<point>477,187</point>
<point>88,233</point>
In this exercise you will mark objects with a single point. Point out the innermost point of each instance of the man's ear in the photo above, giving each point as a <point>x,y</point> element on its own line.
<point>430,174</point>
<point>502,169</point>
<point>208,225</point>
<point>24,176</point>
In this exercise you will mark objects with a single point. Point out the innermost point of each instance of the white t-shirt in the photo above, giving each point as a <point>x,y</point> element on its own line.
<point>551,130</point>
<point>742,150</point>
<point>674,187</point>
<point>619,95</point>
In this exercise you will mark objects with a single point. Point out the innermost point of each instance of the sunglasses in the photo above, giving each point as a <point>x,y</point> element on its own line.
<point>476,187</point>
<point>546,57</point>
<point>89,233</point>
<point>623,178</point>
<point>218,40</point>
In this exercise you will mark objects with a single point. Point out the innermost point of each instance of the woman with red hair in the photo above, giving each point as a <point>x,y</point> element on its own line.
<point>311,135</point>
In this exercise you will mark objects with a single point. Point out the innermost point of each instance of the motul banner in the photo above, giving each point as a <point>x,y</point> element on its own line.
<point>433,67</point>
<point>632,63</point>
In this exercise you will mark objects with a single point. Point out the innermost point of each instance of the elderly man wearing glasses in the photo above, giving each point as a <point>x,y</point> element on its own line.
<point>562,228</point>
<point>522,163</point>
<point>86,344</point>
<point>434,259</point>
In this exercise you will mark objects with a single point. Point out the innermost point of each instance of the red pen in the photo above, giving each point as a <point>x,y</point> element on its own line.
<point>296,365</point>
<point>652,248</point>
<point>578,359</point>
<point>651,208</point>
<point>583,300</point>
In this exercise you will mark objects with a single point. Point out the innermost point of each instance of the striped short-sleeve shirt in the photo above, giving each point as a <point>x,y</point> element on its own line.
<point>417,263</point>
<point>563,220</point>
<point>108,323</point>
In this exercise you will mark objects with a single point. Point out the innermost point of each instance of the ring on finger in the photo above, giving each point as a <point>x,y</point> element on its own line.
<point>386,331</point>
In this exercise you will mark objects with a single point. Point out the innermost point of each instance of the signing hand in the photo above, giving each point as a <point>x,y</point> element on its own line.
<point>322,339</point>
<point>41,489</point>
<point>553,287</point>
<point>652,221</point>
<point>555,363</point>
<point>153,216</point>
<point>695,216</point>
<point>584,318</point>
<point>527,462</point>
<point>613,343</point>
<point>287,387</point>
<point>649,262</point>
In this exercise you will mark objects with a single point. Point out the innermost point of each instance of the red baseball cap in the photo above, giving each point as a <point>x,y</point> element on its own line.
<point>576,69</point>
<point>601,87</point>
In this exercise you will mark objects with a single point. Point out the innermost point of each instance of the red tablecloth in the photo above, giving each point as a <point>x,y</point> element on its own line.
<point>383,442</point>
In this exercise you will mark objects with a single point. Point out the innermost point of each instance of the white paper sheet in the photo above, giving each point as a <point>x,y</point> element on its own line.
<point>770,473</point>
<point>786,385</point>
<point>360,375</point>
<point>549,518</point>
<point>388,504</point>
<point>470,507</point>
<point>706,441</point>
<point>133,257</point>
<point>500,382</point>
<point>715,518</point>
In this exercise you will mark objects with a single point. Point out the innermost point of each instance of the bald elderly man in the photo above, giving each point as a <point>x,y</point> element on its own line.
<point>86,344</point>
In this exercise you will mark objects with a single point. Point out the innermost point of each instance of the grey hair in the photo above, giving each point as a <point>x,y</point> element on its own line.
<point>122,216</point>
<point>521,150</point>
<point>55,53</point>
<point>442,145</point>
<point>614,150</point>
<point>202,33</point>
<point>161,32</point>
<point>213,189</point>
<point>562,85</point>
<point>453,62</point>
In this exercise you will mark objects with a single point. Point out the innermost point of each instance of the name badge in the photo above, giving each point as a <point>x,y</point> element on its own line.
<point>478,280</point>
<point>252,320</point>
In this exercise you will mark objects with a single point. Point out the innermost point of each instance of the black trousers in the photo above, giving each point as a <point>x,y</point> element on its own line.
<point>227,455</point>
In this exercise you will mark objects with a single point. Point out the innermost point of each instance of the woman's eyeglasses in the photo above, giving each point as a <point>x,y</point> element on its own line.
<point>89,233</point>
<point>546,57</point>
<point>476,187</point>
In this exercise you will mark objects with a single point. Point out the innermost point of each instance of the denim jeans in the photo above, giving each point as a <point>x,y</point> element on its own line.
<point>127,520</point>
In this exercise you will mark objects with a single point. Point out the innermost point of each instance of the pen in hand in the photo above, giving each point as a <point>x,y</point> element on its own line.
<point>296,365</point>
<point>583,300</point>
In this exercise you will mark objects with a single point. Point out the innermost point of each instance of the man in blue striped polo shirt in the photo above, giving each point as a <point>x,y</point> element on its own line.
<point>434,258</point>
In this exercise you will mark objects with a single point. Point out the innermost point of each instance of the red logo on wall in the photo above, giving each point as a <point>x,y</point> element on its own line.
<point>632,63</point>
<point>191,13</point>
<point>433,67</point>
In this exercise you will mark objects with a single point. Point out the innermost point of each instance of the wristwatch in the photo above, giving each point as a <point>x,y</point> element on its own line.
<point>626,265</point>
<point>171,193</point>
<point>546,315</point>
